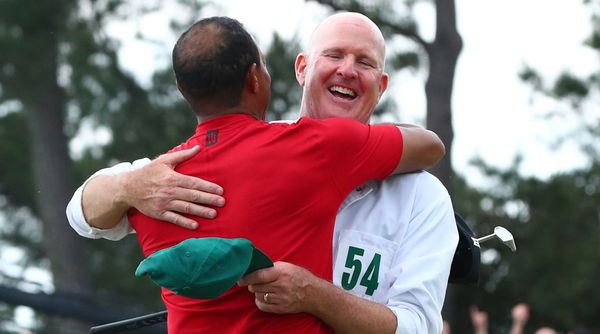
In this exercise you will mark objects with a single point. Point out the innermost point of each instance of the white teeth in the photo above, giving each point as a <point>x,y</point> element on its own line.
<point>342,90</point>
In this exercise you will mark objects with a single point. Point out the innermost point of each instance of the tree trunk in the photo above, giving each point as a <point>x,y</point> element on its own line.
<point>45,106</point>
<point>443,55</point>
<point>52,174</point>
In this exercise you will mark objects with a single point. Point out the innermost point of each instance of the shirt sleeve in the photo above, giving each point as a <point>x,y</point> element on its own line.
<point>423,264</point>
<point>75,214</point>
<point>360,152</point>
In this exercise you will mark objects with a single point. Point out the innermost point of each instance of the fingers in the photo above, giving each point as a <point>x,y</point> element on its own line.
<point>185,181</point>
<point>276,304</point>
<point>259,278</point>
<point>257,288</point>
<point>266,297</point>
<point>189,208</point>
<point>192,202</point>
<point>175,158</point>
<point>179,220</point>
<point>190,182</point>
<point>192,209</point>
<point>175,179</point>
<point>271,307</point>
<point>195,196</point>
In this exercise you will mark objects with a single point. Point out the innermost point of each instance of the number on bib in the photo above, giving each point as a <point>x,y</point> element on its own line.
<point>370,279</point>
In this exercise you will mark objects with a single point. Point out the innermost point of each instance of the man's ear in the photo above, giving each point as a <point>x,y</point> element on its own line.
<point>252,83</point>
<point>383,83</point>
<point>300,67</point>
<point>179,88</point>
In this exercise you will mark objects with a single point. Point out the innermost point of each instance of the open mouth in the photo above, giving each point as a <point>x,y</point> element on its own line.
<point>342,92</point>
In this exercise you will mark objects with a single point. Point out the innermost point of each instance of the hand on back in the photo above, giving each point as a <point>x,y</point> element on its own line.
<point>158,191</point>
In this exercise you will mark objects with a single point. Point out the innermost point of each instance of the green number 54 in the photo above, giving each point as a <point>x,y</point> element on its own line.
<point>370,279</point>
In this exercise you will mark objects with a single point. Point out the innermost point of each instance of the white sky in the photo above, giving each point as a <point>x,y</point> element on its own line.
<point>500,37</point>
<point>493,112</point>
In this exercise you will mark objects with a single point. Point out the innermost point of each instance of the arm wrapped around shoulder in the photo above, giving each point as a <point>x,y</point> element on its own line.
<point>422,149</point>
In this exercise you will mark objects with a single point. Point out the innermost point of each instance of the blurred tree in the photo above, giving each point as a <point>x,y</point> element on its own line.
<point>59,72</point>
<point>43,105</point>
<point>556,222</point>
<point>574,97</point>
<point>285,91</point>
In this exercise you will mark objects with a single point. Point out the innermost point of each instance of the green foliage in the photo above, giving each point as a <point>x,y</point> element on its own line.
<point>285,91</point>
<point>20,36</point>
<point>15,181</point>
<point>96,90</point>
<point>405,60</point>
<point>568,85</point>
<point>594,40</point>
<point>115,264</point>
<point>392,17</point>
<point>150,122</point>
<point>532,77</point>
<point>555,222</point>
<point>557,231</point>
<point>575,94</point>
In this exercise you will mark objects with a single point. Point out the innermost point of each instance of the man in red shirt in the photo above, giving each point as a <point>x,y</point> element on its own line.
<point>222,75</point>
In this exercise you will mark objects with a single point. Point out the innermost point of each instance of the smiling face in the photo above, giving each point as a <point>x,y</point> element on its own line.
<point>342,72</point>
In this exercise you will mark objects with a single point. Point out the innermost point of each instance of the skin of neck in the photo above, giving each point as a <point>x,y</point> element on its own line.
<point>206,110</point>
<point>305,110</point>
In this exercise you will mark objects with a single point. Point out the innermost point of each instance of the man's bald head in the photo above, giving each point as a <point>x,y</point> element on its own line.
<point>351,22</point>
<point>342,69</point>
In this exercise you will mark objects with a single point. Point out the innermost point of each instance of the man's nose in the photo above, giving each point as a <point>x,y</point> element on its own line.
<point>347,68</point>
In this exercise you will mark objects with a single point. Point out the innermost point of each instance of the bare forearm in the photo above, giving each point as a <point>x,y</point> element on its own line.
<point>101,202</point>
<point>520,315</point>
<point>347,313</point>
<point>421,149</point>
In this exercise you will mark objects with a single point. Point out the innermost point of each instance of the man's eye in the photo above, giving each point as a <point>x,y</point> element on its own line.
<point>365,63</point>
<point>334,56</point>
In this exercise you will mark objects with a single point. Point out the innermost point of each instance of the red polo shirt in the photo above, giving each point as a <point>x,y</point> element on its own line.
<point>284,184</point>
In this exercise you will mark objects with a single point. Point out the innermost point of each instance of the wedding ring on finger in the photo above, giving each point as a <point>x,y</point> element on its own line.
<point>266,297</point>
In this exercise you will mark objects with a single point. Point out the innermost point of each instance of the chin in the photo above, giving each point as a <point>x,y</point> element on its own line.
<point>338,112</point>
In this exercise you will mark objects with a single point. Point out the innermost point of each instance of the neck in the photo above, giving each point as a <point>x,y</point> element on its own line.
<point>203,116</point>
<point>303,109</point>
<point>205,111</point>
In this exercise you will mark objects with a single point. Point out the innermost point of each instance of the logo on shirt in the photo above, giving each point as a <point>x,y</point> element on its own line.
<point>212,137</point>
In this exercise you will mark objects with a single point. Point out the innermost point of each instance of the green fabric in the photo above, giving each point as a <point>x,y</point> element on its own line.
<point>203,268</point>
